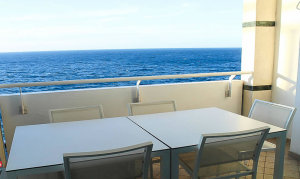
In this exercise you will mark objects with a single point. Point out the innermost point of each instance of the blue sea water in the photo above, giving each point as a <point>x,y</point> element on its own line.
<point>91,64</point>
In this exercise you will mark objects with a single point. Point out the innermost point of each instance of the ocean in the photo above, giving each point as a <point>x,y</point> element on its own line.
<point>22,67</point>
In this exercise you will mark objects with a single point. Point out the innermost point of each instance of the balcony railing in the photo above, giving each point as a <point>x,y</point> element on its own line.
<point>122,79</point>
<point>136,78</point>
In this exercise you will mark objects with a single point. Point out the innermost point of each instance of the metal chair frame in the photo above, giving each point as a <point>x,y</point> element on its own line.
<point>147,156</point>
<point>204,137</point>
<point>132,105</point>
<point>290,117</point>
<point>97,107</point>
<point>268,146</point>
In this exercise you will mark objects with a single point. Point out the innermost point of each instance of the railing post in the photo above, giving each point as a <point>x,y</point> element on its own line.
<point>138,91</point>
<point>229,88</point>
<point>23,107</point>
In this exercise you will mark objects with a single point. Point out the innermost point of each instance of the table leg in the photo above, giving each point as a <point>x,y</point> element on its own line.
<point>11,175</point>
<point>175,159</point>
<point>279,156</point>
<point>174,164</point>
<point>165,162</point>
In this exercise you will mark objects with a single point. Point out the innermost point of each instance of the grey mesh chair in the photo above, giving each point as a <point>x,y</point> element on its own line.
<point>223,155</point>
<point>151,107</point>
<point>272,113</point>
<point>123,163</point>
<point>76,114</point>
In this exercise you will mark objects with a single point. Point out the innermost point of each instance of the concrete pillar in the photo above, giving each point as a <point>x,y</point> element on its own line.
<point>258,50</point>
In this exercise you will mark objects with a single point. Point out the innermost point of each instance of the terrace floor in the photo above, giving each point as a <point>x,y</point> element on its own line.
<point>265,167</point>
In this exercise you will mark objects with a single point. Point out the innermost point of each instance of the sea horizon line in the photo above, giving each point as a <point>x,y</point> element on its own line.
<point>125,49</point>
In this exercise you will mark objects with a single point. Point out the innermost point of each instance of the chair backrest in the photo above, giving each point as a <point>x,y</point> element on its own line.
<point>272,113</point>
<point>76,114</point>
<point>214,149</point>
<point>151,107</point>
<point>122,163</point>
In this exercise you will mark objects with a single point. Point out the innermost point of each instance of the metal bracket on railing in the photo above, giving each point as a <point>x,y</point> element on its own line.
<point>229,88</point>
<point>23,107</point>
<point>138,91</point>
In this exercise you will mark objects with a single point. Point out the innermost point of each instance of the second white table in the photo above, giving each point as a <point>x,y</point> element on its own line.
<point>181,131</point>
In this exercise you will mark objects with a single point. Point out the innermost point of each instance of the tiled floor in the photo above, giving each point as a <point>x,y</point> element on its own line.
<point>265,167</point>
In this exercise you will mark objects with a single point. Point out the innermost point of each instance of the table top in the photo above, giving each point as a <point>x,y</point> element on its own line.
<point>183,128</point>
<point>44,144</point>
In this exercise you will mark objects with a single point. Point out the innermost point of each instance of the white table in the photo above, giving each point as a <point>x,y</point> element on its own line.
<point>40,148</point>
<point>181,131</point>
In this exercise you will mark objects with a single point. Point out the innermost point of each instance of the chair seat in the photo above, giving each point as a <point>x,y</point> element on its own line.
<point>268,146</point>
<point>187,160</point>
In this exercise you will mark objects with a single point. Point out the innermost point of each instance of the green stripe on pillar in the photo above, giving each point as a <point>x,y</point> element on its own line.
<point>259,24</point>
<point>257,88</point>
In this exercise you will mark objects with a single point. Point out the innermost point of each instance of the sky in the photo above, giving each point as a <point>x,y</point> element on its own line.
<point>46,25</point>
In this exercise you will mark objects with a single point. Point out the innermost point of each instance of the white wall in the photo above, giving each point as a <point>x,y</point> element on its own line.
<point>286,59</point>
<point>286,70</point>
<point>115,100</point>
<point>295,143</point>
<point>196,95</point>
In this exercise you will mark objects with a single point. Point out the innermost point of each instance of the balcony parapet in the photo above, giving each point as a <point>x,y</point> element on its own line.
<point>24,109</point>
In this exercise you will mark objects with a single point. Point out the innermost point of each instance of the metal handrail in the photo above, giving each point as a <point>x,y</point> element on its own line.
<point>103,80</point>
